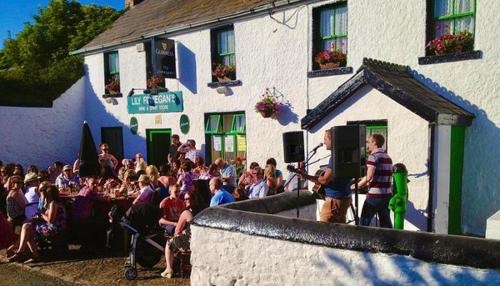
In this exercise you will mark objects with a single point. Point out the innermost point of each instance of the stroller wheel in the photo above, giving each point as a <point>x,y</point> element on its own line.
<point>130,273</point>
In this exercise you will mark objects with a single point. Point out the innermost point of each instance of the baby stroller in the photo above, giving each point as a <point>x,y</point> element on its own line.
<point>147,243</point>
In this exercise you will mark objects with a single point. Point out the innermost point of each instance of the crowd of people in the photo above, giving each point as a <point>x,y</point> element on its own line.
<point>32,203</point>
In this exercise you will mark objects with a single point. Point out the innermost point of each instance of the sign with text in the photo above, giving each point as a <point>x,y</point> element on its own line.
<point>163,102</point>
<point>164,57</point>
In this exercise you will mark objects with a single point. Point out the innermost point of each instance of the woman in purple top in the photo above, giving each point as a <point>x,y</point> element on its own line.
<point>186,178</point>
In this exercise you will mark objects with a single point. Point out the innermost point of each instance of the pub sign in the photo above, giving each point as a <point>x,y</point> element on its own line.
<point>164,57</point>
<point>162,102</point>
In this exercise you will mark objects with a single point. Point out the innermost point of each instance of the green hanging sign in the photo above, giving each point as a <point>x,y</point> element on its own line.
<point>162,102</point>
<point>134,125</point>
<point>184,124</point>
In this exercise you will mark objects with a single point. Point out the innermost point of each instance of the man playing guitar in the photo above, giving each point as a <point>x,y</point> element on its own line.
<point>337,190</point>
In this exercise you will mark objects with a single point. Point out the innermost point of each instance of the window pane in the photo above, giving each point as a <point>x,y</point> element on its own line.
<point>230,41</point>
<point>213,124</point>
<point>463,6</point>
<point>464,24</point>
<point>443,8</point>
<point>326,23</point>
<point>341,21</point>
<point>444,27</point>
<point>113,63</point>
<point>341,44</point>
<point>222,42</point>
<point>328,45</point>
<point>227,121</point>
<point>238,124</point>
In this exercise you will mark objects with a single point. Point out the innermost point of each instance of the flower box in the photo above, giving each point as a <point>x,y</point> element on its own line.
<point>329,66</point>
<point>223,79</point>
<point>448,44</point>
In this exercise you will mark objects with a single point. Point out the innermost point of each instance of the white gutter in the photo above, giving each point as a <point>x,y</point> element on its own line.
<point>264,9</point>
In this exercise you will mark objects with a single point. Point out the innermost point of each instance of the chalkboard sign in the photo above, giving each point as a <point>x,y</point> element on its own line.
<point>164,57</point>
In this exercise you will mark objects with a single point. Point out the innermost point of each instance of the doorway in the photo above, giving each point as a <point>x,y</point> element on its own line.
<point>113,136</point>
<point>158,144</point>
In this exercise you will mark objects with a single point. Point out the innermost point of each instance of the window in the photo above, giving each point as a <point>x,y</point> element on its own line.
<point>450,17</point>
<point>225,134</point>
<point>111,72</point>
<point>329,29</point>
<point>453,16</point>
<point>373,127</point>
<point>223,50</point>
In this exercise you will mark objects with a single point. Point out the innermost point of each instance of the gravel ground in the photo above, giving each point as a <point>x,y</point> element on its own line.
<point>78,270</point>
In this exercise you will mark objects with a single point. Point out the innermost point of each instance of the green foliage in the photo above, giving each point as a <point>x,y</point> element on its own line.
<point>35,68</point>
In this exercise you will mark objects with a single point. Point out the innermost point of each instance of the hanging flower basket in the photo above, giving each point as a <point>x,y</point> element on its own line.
<point>270,105</point>
<point>266,113</point>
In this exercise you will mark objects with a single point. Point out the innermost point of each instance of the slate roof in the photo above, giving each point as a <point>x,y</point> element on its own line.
<point>398,83</point>
<point>157,16</point>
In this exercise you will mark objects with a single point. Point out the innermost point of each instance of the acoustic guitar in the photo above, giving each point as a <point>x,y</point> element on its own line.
<point>317,188</point>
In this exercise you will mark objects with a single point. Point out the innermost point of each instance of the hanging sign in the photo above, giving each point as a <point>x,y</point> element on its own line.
<point>134,125</point>
<point>184,124</point>
<point>164,57</point>
<point>163,102</point>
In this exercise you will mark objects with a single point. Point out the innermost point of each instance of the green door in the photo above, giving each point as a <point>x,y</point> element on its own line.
<point>158,143</point>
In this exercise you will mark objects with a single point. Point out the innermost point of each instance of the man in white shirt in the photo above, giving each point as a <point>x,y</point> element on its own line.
<point>259,188</point>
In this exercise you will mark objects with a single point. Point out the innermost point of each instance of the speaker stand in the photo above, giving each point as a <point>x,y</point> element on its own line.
<point>356,202</point>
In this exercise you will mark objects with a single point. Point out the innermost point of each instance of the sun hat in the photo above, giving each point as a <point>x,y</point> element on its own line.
<point>32,176</point>
<point>67,167</point>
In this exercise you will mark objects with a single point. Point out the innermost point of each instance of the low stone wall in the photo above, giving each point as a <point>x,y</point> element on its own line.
<point>252,243</point>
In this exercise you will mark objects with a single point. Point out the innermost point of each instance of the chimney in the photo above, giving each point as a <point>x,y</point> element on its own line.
<point>132,3</point>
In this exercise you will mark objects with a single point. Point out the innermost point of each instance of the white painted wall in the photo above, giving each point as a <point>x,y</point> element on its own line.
<point>276,51</point>
<point>407,143</point>
<point>238,259</point>
<point>41,136</point>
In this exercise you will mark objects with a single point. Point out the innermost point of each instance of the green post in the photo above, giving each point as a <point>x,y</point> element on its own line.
<point>399,201</point>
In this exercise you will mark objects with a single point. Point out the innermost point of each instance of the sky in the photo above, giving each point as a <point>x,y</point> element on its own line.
<point>14,13</point>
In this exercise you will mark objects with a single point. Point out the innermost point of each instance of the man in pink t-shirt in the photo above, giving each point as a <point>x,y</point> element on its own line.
<point>172,208</point>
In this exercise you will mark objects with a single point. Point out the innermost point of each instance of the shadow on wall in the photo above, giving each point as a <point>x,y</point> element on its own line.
<point>408,271</point>
<point>97,116</point>
<point>287,115</point>
<point>187,68</point>
<point>482,179</point>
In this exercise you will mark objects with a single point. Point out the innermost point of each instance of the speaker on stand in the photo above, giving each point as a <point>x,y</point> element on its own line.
<point>349,156</point>
<point>293,150</point>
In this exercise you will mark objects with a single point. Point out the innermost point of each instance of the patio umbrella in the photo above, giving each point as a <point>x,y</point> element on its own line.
<point>89,162</point>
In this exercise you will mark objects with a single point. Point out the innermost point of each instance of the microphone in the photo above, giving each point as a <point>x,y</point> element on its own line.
<point>317,147</point>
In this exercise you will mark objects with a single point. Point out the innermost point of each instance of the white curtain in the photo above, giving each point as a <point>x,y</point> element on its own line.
<point>463,6</point>
<point>341,21</point>
<point>443,8</point>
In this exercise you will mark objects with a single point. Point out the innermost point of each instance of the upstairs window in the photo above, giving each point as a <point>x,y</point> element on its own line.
<point>451,28</point>
<point>330,35</point>
<point>223,54</point>
<point>111,73</point>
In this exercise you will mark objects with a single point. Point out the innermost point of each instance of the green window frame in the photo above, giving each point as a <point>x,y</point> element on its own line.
<point>329,29</point>
<point>454,16</point>
<point>213,124</point>
<point>238,126</point>
<point>225,52</point>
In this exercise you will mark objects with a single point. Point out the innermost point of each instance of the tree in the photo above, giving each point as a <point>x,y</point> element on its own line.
<point>35,68</point>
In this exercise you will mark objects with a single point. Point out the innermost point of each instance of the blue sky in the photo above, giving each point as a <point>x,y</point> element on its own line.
<point>14,13</point>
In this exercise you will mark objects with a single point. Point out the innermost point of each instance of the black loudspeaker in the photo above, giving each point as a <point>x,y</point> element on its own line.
<point>349,151</point>
<point>293,146</point>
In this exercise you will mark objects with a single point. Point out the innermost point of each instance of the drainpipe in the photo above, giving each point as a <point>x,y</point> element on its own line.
<point>430,206</point>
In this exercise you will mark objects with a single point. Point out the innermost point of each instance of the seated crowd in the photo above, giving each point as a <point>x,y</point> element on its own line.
<point>34,205</point>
